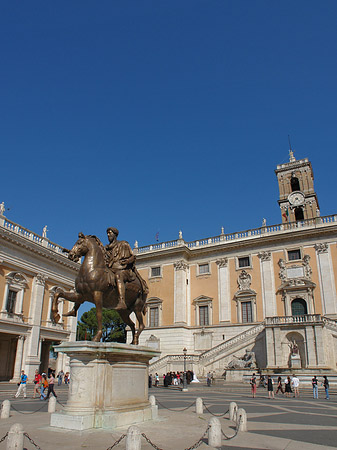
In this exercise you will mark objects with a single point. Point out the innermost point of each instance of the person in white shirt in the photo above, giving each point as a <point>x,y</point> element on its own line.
<point>296,383</point>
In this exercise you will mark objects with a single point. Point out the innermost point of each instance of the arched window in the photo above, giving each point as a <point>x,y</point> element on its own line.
<point>299,307</point>
<point>295,184</point>
<point>299,214</point>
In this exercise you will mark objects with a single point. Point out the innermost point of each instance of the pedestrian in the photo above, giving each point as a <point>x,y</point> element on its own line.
<point>326,387</point>
<point>209,379</point>
<point>253,385</point>
<point>60,376</point>
<point>156,383</point>
<point>22,385</point>
<point>43,386</point>
<point>279,386</point>
<point>150,380</point>
<point>37,382</point>
<point>51,382</point>
<point>296,383</point>
<point>270,387</point>
<point>287,386</point>
<point>314,383</point>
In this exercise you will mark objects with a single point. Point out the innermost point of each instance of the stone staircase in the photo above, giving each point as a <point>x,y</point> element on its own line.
<point>209,357</point>
<point>228,347</point>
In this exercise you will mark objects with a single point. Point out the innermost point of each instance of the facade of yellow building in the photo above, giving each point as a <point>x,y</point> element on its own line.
<point>31,269</point>
<point>260,290</point>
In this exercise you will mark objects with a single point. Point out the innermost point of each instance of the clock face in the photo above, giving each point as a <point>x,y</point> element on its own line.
<point>296,198</point>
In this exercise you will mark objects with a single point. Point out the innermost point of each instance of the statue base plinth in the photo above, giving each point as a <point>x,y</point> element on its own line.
<point>295,361</point>
<point>108,386</point>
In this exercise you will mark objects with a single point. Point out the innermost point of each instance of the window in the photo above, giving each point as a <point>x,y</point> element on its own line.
<point>203,315</point>
<point>11,299</point>
<point>299,307</point>
<point>244,261</point>
<point>203,268</point>
<point>246,312</point>
<point>295,184</point>
<point>299,215</point>
<point>293,255</point>
<point>154,317</point>
<point>156,271</point>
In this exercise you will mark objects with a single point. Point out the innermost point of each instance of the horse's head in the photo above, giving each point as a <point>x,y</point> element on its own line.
<point>79,249</point>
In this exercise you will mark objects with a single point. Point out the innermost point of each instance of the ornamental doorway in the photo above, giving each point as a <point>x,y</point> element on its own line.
<point>299,307</point>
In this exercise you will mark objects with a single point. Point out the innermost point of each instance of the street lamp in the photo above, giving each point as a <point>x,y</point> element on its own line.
<point>184,378</point>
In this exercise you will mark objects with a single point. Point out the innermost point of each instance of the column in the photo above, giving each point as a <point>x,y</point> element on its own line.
<point>278,347</point>
<point>224,290</point>
<point>180,292</point>
<point>310,346</point>
<point>3,308</point>
<point>18,358</point>
<point>327,283</point>
<point>268,284</point>
<point>320,347</point>
<point>35,313</point>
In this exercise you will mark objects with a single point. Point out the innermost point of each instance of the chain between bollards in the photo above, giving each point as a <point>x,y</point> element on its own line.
<point>4,437</point>
<point>117,442</point>
<point>175,410</point>
<point>28,412</point>
<point>236,431</point>
<point>216,415</point>
<point>31,441</point>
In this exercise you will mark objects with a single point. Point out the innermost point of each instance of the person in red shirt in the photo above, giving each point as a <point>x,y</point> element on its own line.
<point>37,382</point>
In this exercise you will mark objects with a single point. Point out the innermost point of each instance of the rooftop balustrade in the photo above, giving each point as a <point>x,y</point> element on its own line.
<point>283,228</point>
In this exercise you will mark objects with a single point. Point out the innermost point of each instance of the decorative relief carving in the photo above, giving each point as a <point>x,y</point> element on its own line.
<point>40,279</point>
<point>321,248</point>
<point>264,256</point>
<point>222,262</point>
<point>282,273</point>
<point>307,268</point>
<point>17,279</point>
<point>180,265</point>
<point>244,281</point>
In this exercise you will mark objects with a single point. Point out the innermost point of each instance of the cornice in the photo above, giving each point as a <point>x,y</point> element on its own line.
<point>37,249</point>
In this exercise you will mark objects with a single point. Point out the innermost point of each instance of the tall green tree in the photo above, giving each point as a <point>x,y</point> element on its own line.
<point>112,324</point>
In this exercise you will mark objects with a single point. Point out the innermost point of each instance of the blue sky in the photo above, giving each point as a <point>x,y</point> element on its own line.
<point>156,116</point>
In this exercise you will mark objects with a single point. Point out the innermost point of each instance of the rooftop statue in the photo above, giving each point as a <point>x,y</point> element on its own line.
<point>109,279</point>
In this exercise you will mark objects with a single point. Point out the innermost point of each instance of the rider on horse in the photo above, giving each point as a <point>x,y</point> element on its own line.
<point>121,260</point>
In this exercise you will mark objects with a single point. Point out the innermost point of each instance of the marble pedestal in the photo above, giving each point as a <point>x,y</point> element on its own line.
<point>295,361</point>
<point>108,386</point>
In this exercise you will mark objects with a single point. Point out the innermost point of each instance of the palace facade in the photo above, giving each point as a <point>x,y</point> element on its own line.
<point>31,269</point>
<point>259,290</point>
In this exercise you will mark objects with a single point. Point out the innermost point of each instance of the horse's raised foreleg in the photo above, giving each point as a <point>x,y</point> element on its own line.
<point>72,297</point>
<point>125,315</point>
<point>98,300</point>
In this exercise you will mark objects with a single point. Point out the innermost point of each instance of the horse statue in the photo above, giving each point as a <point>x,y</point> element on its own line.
<point>96,283</point>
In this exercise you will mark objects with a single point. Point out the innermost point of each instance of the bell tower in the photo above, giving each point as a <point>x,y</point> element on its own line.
<point>298,200</point>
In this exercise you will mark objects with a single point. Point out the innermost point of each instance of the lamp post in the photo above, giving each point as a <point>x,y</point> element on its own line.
<point>184,378</point>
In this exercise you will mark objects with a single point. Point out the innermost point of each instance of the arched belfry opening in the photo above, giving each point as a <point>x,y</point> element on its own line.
<point>299,215</point>
<point>295,184</point>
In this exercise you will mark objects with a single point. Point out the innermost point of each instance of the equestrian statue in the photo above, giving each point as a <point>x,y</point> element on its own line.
<point>109,279</point>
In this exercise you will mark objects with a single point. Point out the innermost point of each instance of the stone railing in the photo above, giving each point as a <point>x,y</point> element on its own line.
<point>241,235</point>
<point>224,346</point>
<point>172,358</point>
<point>285,320</point>
<point>27,234</point>
<point>329,322</point>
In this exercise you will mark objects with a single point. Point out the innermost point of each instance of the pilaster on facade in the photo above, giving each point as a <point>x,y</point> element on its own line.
<point>224,290</point>
<point>180,292</point>
<point>326,277</point>
<point>268,284</point>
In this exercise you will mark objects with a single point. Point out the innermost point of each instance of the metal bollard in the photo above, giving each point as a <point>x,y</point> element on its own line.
<point>214,433</point>
<point>233,409</point>
<point>5,409</point>
<point>133,438</point>
<point>15,437</point>
<point>199,406</point>
<point>52,404</point>
<point>241,420</point>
